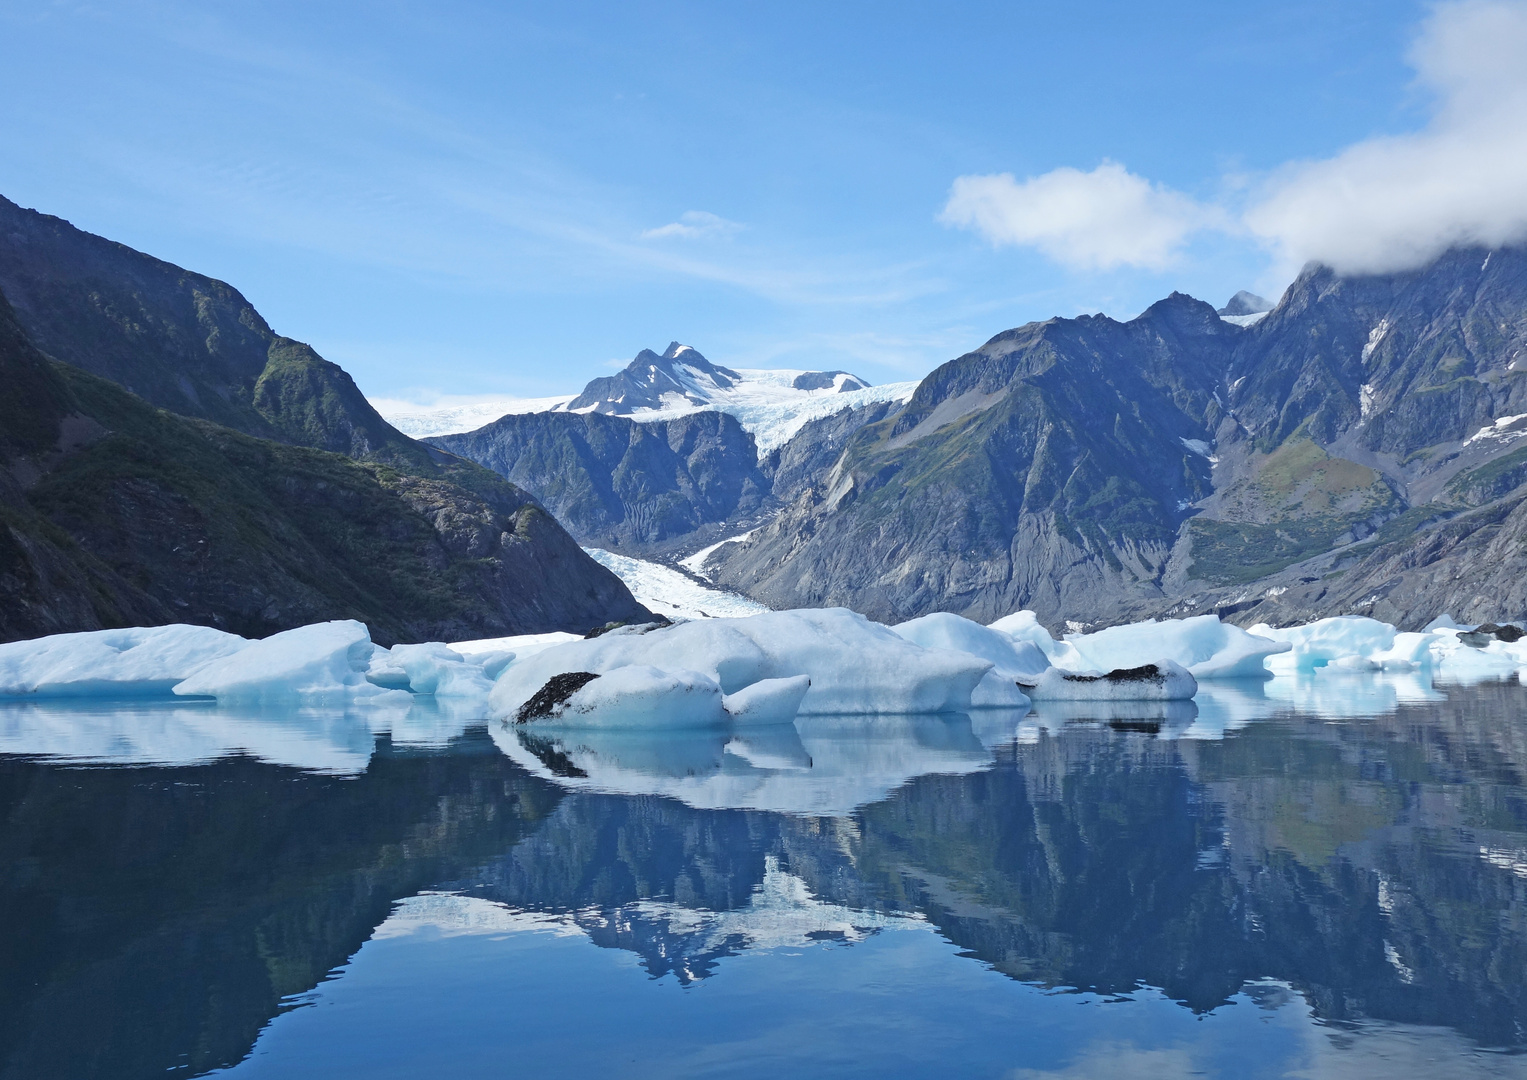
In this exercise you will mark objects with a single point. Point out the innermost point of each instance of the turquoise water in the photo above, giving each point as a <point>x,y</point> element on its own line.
<point>1322,879</point>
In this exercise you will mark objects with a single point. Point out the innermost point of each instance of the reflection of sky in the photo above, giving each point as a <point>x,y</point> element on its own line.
<point>461,987</point>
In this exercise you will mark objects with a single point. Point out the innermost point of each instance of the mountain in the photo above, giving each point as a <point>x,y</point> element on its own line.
<point>229,505</point>
<point>771,404</point>
<point>1099,471</point>
<point>619,484</point>
<point>1246,303</point>
<point>682,378</point>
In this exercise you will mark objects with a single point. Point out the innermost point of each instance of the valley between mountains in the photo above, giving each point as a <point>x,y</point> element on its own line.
<point>1358,447</point>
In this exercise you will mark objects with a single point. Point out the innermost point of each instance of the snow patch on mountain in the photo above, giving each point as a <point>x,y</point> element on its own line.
<point>773,404</point>
<point>450,416</point>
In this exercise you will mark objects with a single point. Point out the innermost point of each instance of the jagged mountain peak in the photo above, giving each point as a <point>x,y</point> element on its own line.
<point>1246,303</point>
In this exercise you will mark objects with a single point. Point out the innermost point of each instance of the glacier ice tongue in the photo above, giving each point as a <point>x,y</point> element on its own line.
<point>133,662</point>
<point>316,662</point>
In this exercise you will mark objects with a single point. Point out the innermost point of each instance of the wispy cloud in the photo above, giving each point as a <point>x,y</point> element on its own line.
<point>695,225</point>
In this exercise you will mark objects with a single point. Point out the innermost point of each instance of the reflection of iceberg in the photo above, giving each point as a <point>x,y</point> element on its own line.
<point>1164,718</point>
<point>818,765</point>
<point>335,740</point>
<point>1346,695</point>
<point>124,733</point>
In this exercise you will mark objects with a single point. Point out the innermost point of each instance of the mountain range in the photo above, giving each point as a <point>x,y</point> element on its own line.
<point>1353,448</point>
<point>166,457</point>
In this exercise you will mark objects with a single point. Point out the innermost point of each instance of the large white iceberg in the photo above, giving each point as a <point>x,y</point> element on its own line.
<point>434,668</point>
<point>1205,646</point>
<point>322,661</point>
<point>1013,660</point>
<point>854,665</point>
<point>1349,642</point>
<point>133,662</point>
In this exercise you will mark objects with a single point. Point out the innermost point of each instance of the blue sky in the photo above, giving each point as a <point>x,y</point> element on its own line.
<point>463,198</point>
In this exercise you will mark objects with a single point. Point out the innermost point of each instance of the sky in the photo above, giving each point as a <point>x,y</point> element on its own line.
<point>455,198</point>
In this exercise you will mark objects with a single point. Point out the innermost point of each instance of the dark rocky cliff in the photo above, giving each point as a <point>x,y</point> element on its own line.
<point>263,493</point>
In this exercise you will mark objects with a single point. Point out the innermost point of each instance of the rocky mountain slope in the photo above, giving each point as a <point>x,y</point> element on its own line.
<point>1353,450</point>
<point>623,485</point>
<point>116,512</point>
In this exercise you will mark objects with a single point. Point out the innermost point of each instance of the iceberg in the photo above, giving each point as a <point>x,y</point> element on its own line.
<point>1160,681</point>
<point>434,668</point>
<point>322,661</point>
<point>134,662</point>
<point>854,665</point>
<point>1351,642</point>
<point>1013,660</point>
<point>1205,646</point>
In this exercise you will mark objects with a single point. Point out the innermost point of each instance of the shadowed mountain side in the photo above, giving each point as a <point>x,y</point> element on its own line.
<point>1049,469</point>
<point>115,513</point>
<point>620,484</point>
<point>149,949</point>
<point>1101,472</point>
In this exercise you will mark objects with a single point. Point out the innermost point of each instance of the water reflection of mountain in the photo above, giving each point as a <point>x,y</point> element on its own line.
<point>154,918</point>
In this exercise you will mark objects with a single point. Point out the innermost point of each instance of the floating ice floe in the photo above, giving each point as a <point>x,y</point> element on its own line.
<point>1163,680</point>
<point>854,666</point>
<point>1205,646</point>
<point>133,662</point>
<point>1013,661</point>
<point>318,662</point>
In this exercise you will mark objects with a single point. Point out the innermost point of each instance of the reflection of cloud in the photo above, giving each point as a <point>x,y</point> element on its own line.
<point>695,225</point>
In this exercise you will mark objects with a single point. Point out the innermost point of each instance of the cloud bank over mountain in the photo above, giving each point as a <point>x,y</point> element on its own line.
<point>1386,203</point>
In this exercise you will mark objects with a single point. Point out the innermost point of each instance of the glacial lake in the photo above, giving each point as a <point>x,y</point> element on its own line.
<point>1318,877</point>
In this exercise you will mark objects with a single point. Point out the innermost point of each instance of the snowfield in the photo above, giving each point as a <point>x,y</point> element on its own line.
<point>764,401</point>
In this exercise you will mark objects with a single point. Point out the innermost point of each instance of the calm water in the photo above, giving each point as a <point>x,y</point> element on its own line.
<point>1319,879</point>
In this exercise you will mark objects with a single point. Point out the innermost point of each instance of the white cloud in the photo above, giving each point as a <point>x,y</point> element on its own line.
<point>1099,220</point>
<point>1397,202</point>
<point>1384,204</point>
<point>695,225</point>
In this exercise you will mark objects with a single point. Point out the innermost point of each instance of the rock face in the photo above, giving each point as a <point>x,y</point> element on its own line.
<point>1246,303</point>
<point>113,512</point>
<point>624,485</point>
<point>1098,471</point>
